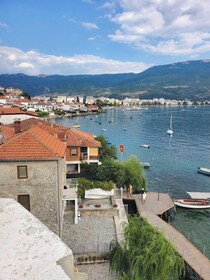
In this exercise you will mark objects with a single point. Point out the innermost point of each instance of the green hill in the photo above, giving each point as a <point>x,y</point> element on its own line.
<point>189,79</point>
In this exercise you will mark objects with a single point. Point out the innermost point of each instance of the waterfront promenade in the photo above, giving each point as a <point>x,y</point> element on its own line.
<point>150,211</point>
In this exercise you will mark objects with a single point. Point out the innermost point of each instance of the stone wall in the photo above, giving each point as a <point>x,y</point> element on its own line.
<point>44,185</point>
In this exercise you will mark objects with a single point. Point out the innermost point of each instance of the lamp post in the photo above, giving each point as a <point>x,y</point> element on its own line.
<point>158,188</point>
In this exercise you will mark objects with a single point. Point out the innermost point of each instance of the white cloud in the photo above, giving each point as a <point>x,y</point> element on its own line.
<point>90,25</point>
<point>3,25</point>
<point>32,62</point>
<point>172,27</point>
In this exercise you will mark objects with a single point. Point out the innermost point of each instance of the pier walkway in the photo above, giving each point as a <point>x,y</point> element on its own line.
<point>150,211</point>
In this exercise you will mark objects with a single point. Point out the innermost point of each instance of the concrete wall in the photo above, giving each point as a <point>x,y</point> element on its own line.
<point>44,185</point>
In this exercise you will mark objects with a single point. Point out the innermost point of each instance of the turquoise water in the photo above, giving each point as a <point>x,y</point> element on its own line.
<point>173,159</point>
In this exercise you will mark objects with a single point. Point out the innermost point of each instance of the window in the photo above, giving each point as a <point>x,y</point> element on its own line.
<point>22,172</point>
<point>73,152</point>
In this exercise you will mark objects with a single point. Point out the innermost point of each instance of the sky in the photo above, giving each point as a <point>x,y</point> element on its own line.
<point>72,37</point>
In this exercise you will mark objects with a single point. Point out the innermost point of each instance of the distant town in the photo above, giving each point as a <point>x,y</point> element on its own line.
<point>55,105</point>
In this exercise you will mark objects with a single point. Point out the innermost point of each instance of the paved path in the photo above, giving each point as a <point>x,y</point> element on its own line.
<point>97,271</point>
<point>91,235</point>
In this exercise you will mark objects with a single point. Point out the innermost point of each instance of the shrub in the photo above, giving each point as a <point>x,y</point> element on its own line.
<point>85,184</point>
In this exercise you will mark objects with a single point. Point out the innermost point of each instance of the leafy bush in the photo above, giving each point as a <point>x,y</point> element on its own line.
<point>104,185</point>
<point>85,184</point>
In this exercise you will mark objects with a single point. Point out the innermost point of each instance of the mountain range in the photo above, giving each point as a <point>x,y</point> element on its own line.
<point>182,80</point>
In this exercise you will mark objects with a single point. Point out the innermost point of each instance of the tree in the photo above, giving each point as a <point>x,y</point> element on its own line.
<point>145,254</point>
<point>42,114</point>
<point>134,174</point>
<point>129,172</point>
<point>111,171</point>
<point>26,95</point>
<point>107,152</point>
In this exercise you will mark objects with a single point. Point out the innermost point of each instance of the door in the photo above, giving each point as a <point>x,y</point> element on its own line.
<point>24,200</point>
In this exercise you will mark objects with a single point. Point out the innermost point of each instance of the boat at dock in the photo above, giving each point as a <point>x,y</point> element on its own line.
<point>192,203</point>
<point>202,170</point>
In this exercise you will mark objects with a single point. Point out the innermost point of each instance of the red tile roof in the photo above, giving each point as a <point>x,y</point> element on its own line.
<point>12,110</point>
<point>15,111</point>
<point>8,132</point>
<point>82,139</point>
<point>35,143</point>
<point>31,122</point>
<point>74,137</point>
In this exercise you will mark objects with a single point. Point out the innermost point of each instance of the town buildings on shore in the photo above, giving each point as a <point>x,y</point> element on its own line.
<point>54,105</point>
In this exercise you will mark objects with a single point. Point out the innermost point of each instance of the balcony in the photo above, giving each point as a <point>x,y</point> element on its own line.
<point>94,157</point>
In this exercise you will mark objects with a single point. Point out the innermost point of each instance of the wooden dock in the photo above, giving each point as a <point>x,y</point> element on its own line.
<point>150,211</point>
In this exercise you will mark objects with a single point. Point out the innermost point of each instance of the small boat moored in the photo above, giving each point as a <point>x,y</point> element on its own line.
<point>146,164</point>
<point>205,171</point>
<point>144,146</point>
<point>192,203</point>
<point>76,126</point>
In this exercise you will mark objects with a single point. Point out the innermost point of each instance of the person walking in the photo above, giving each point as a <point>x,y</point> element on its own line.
<point>144,195</point>
<point>130,190</point>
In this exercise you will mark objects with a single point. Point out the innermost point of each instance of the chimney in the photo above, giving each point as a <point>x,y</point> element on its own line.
<point>17,123</point>
<point>62,136</point>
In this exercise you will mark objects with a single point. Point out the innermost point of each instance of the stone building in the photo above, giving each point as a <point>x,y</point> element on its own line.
<point>33,172</point>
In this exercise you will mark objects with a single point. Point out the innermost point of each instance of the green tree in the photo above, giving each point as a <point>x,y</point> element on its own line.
<point>145,254</point>
<point>26,95</point>
<point>123,173</point>
<point>107,152</point>
<point>134,173</point>
<point>111,170</point>
<point>42,114</point>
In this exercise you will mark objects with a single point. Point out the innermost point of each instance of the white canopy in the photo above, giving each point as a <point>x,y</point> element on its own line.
<point>98,193</point>
<point>199,195</point>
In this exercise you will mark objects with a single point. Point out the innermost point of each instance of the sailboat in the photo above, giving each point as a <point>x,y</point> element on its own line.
<point>170,130</point>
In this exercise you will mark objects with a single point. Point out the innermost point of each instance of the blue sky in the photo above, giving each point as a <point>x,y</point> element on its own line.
<point>71,37</point>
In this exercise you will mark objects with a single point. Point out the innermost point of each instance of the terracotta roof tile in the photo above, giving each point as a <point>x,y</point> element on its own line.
<point>35,143</point>
<point>31,122</point>
<point>12,110</point>
<point>15,111</point>
<point>74,137</point>
<point>8,132</point>
<point>81,139</point>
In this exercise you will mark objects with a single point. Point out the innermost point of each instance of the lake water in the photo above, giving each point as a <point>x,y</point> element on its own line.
<point>173,159</point>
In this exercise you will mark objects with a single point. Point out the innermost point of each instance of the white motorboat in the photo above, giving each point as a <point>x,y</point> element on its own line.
<point>146,164</point>
<point>192,203</point>
<point>202,170</point>
<point>144,146</point>
<point>170,130</point>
